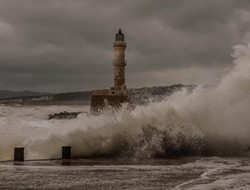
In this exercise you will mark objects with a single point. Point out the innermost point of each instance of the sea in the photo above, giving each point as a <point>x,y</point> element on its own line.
<point>183,173</point>
<point>98,162</point>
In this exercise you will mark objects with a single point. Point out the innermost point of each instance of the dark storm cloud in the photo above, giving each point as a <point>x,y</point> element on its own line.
<point>66,45</point>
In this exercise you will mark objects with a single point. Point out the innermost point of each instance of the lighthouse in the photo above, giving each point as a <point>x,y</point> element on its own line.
<point>118,94</point>
<point>119,62</point>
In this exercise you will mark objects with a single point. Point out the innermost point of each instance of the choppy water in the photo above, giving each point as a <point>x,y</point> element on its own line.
<point>212,173</point>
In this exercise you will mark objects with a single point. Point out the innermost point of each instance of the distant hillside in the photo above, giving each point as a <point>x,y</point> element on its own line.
<point>70,98</point>
<point>155,93</point>
<point>9,94</point>
<point>137,95</point>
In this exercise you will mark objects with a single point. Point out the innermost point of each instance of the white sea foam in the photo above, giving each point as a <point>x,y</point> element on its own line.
<point>220,173</point>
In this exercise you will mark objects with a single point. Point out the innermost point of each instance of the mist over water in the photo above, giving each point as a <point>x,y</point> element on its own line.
<point>209,121</point>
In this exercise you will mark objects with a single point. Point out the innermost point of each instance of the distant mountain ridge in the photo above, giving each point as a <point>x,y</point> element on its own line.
<point>10,94</point>
<point>137,95</point>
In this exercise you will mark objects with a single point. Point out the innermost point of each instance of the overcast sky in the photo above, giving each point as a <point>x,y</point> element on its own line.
<point>66,45</point>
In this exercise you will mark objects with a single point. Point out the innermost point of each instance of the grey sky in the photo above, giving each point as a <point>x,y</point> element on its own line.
<point>66,45</point>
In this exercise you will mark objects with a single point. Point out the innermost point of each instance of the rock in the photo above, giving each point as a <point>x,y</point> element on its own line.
<point>64,115</point>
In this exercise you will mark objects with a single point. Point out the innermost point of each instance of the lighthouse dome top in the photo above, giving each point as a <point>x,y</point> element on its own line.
<point>119,36</point>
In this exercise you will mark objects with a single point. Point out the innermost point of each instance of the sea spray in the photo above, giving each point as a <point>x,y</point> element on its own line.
<point>209,121</point>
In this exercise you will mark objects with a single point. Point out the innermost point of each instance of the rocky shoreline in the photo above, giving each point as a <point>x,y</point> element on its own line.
<point>64,115</point>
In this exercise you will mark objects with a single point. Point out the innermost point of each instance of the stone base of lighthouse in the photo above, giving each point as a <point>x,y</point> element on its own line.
<point>101,99</point>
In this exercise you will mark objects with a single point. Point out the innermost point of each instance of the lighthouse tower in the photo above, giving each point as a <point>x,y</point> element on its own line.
<point>119,62</point>
<point>118,94</point>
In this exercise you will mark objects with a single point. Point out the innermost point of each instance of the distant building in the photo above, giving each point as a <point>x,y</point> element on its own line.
<point>118,94</point>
